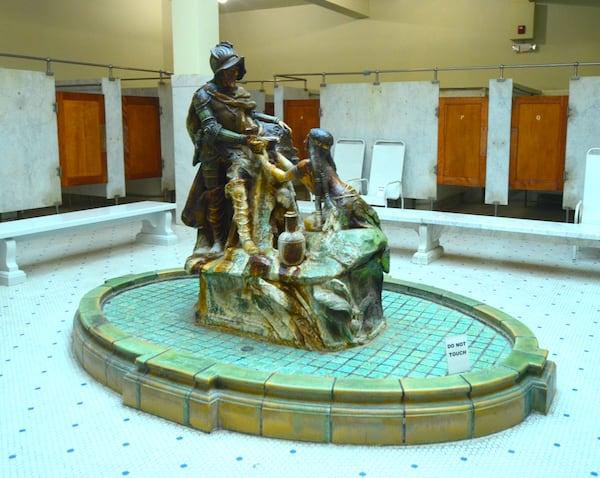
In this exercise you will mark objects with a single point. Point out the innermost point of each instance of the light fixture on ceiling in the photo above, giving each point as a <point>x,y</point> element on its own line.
<point>222,1</point>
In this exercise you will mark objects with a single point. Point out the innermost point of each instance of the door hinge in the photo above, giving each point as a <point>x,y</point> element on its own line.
<point>55,107</point>
<point>59,172</point>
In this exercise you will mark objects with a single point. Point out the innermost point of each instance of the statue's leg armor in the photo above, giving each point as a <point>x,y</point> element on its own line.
<point>236,189</point>
<point>216,205</point>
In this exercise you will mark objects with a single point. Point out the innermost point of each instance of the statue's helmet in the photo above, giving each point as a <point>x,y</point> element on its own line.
<point>223,57</point>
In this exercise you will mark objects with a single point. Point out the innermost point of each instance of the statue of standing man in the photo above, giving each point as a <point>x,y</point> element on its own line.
<point>225,128</point>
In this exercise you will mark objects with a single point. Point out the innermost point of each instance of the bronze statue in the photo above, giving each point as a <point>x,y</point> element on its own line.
<point>338,205</point>
<point>261,273</point>
<point>224,127</point>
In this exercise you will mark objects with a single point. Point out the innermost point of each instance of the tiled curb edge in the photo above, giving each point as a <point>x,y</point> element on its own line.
<point>201,393</point>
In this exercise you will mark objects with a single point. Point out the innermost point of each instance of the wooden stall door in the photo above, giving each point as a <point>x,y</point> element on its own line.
<point>538,142</point>
<point>462,141</point>
<point>302,116</point>
<point>81,138</point>
<point>270,108</point>
<point>141,137</point>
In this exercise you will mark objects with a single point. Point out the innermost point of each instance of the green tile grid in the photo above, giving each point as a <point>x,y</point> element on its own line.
<point>412,345</point>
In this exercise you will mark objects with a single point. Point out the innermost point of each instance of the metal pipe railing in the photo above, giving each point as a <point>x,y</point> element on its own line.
<point>275,82</point>
<point>434,70</point>
<point>285,77</point>
<point>49,61</point>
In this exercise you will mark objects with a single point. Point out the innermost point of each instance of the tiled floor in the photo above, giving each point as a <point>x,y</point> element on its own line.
<point>56,421</point>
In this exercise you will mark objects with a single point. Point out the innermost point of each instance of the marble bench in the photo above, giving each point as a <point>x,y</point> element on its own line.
<point>430,225</point>
<point>156,220</point>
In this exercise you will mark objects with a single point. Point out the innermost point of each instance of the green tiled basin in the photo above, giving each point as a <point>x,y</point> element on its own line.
<point>137,335</point>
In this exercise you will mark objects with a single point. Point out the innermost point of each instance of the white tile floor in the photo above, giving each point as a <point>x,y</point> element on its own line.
<point>56,421</point>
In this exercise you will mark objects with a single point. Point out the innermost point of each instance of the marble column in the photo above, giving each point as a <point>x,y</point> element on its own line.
<point>195,32</point>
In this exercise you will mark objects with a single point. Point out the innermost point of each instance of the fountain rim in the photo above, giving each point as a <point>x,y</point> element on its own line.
<point>206,394</point>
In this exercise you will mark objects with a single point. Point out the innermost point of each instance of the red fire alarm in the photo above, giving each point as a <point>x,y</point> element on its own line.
<point>521,30</point>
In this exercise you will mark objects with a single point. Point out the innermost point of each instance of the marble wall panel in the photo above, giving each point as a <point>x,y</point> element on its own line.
<point>167,146</point>
<point>260,97</point>
<point>498,141</point>
<point>115,155</point>
<point>583,133</point>
<point>28,141</point>
<point>393,111</point>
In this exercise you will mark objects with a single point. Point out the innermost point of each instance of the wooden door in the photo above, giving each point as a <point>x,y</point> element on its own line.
<point>141,137</point>
<point>538,141</point>
<point>270,108</point>
<point>81,138</point>
<point>302,116</point>
<point>462,141</point>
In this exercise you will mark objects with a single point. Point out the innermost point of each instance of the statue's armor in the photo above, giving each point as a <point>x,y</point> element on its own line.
<point>220,121</point>
<point>219,124</point>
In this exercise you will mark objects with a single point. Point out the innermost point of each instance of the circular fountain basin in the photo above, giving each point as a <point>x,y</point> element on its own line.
<point>137,335</point>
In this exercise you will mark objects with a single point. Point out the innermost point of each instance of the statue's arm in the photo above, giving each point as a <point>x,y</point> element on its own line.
<point>266,118</point>
<point>210,129</point>
<point>271,119</point>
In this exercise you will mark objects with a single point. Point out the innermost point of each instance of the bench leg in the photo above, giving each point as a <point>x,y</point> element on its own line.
<point>429,244</point>
<point>10,274</point>
<point>156,229</point>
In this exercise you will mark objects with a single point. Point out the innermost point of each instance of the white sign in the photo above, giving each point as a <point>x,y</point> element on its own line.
<point>457,354</point>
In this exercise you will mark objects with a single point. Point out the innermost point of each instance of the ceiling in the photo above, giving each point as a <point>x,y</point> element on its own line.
<point>242,5</point>
<point>359,9</point>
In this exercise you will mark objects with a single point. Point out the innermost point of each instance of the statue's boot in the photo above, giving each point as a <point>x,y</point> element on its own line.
<point>216,205</point>
<point>202,245</point>
<point>236,189</point>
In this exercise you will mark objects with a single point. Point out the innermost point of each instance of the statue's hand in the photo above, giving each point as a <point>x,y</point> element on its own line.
<point>256,144</point>
<point>285,126</point>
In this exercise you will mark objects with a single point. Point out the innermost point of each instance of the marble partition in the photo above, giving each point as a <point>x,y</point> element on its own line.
<point>28,141</point>
<point>405,111</point>
<point>183,88</point>
<point>498,141</point>
<point>583,133</point>
<point>165,99</point>
<point>260,97</point>
<point>115,155</point>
